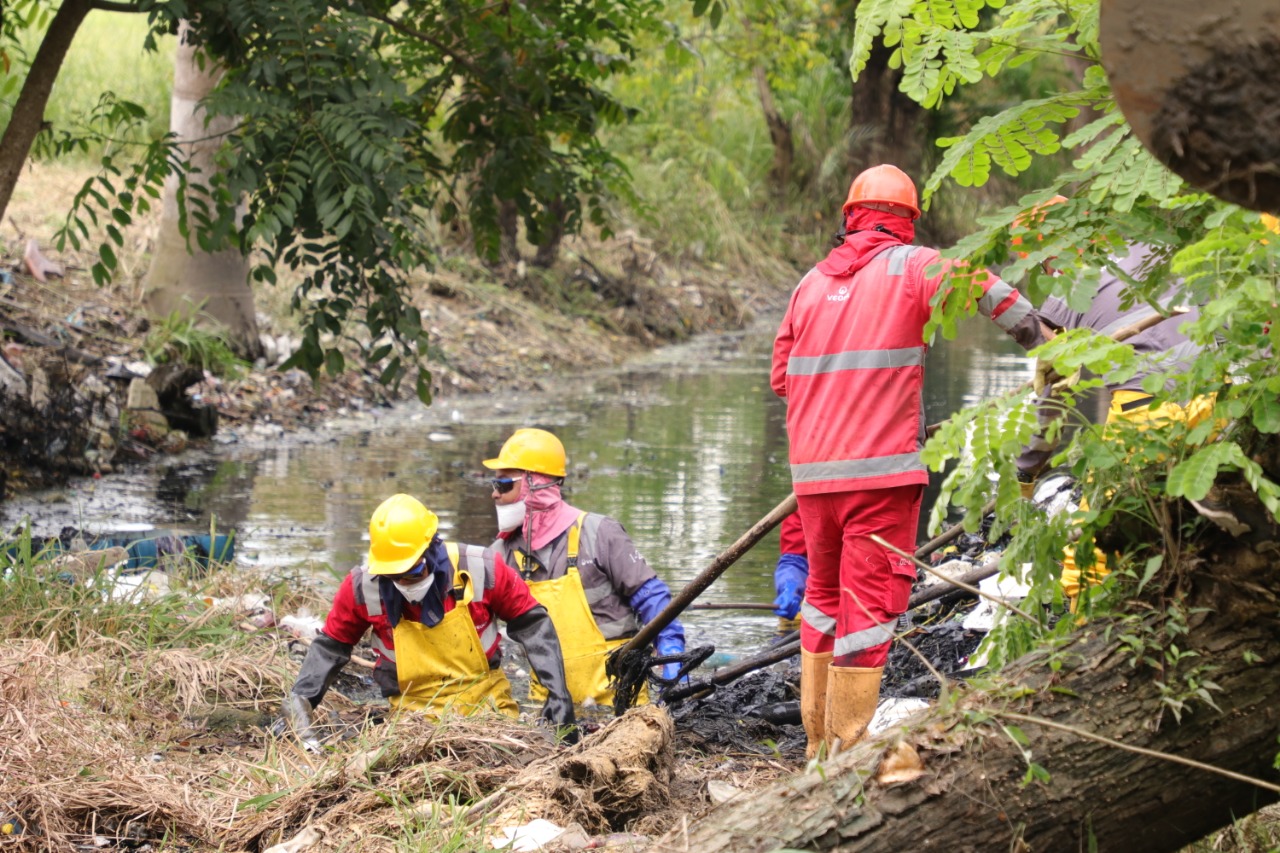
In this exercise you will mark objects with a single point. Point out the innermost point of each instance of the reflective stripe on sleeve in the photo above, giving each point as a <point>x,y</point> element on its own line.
<point>995,296</point>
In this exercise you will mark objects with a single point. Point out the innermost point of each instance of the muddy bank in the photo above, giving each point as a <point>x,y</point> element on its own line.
<point>80,394</point>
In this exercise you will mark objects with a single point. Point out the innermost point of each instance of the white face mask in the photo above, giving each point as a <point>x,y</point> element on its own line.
<point>510,516</point>
<point>415,592</point>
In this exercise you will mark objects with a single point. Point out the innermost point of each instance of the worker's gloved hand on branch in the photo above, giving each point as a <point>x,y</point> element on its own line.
<point>789,579</point>
<point>668,646</point>
<point>648,602</point>
<point>1046,377</point>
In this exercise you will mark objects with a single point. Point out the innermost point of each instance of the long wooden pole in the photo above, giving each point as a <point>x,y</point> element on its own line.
<point>707,576</point>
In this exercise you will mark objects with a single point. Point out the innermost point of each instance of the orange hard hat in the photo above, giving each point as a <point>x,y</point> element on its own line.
<point>1034,216</point>
<point>886,188</point>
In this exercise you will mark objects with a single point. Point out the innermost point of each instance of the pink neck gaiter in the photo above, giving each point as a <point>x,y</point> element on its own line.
<point>546,513</point>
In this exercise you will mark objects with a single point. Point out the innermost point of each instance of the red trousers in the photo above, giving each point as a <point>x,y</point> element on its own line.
<point>857,589</point>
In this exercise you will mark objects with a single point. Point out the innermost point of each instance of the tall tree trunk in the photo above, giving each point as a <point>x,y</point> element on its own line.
<point>784,149</point>
<point>28,112</point>
<point>551,237</point>
<point>212,286</point>
<point>885,125</point>
<point>971,793</point>
<point>508,233</point>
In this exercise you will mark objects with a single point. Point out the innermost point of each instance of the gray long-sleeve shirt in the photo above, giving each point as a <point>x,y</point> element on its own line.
<point>1112,308</point>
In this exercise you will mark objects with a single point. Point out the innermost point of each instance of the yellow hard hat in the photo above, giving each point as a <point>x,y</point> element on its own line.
<point>399,532</point>
<point>533,450</point>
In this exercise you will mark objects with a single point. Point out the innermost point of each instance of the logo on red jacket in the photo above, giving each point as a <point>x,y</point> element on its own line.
<point>839,296</point>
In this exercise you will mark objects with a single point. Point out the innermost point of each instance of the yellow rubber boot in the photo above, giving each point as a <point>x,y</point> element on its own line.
<point>813,697</point>
<point>786,626</point>
<point>853,692</point>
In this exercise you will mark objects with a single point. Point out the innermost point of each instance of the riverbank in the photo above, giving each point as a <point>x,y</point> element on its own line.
<point>139,717</point>
<point>80,395</point>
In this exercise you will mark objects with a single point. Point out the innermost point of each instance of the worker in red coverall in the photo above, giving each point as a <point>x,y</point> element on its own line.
<point>433,607</point>
<point>849,361</point>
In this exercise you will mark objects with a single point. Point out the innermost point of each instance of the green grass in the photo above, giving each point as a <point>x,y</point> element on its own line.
<point>107,56</point>
<point>177,339</point>
<point>40,599</point>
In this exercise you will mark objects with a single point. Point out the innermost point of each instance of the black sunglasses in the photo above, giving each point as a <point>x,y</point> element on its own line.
<point>502,485</point>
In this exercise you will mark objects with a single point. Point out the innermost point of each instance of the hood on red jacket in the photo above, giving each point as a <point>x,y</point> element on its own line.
<point>868,233</point>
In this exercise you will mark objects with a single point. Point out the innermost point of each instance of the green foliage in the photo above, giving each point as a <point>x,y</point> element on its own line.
<point>107,62</point>
<point>178,340</point>
<point>39,600</point>
<point>699,148</point>
<point>1211,254</point>
<point>357,120</point>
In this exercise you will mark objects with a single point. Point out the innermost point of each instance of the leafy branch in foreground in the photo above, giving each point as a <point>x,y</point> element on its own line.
<point>1210,254</point>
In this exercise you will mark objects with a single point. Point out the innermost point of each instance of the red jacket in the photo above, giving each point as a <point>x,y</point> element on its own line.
<point>849,360</point>
<point>504,595</point>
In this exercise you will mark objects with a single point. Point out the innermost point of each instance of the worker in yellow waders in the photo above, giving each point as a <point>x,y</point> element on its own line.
<point>433,607</point>
<point>582,566</point>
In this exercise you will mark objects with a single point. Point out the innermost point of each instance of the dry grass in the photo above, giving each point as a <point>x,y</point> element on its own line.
<point>117,743</point>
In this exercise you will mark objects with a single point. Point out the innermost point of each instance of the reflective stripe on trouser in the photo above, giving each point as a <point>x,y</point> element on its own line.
<point>583,646</point>
<point>853,580</point>
<point>444,667</point>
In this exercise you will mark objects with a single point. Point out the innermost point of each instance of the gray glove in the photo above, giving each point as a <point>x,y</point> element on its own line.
<point>325,659</point>
<point>533,630</point>
<point>297,712</point>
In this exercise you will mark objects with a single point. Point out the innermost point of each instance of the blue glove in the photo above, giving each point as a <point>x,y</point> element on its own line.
<point>787,604</point>
<point>670,647</point>
<point>650,600</point>
<point>789,580</point>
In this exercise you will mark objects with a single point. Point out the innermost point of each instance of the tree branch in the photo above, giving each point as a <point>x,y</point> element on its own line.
<point>112,6</point>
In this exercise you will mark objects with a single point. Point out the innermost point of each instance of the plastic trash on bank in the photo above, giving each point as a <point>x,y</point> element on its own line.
<point>892,711</point>
<point>534,835</point>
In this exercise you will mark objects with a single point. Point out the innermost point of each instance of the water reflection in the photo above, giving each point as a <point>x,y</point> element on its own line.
<point>687,449</point>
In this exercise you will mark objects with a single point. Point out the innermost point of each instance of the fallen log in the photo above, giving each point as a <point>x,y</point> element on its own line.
<point>1097,742</point>
<point>603,783</point>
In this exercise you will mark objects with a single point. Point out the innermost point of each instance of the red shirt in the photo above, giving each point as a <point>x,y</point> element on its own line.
<point>791,537</point>
<point>506,598</point>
